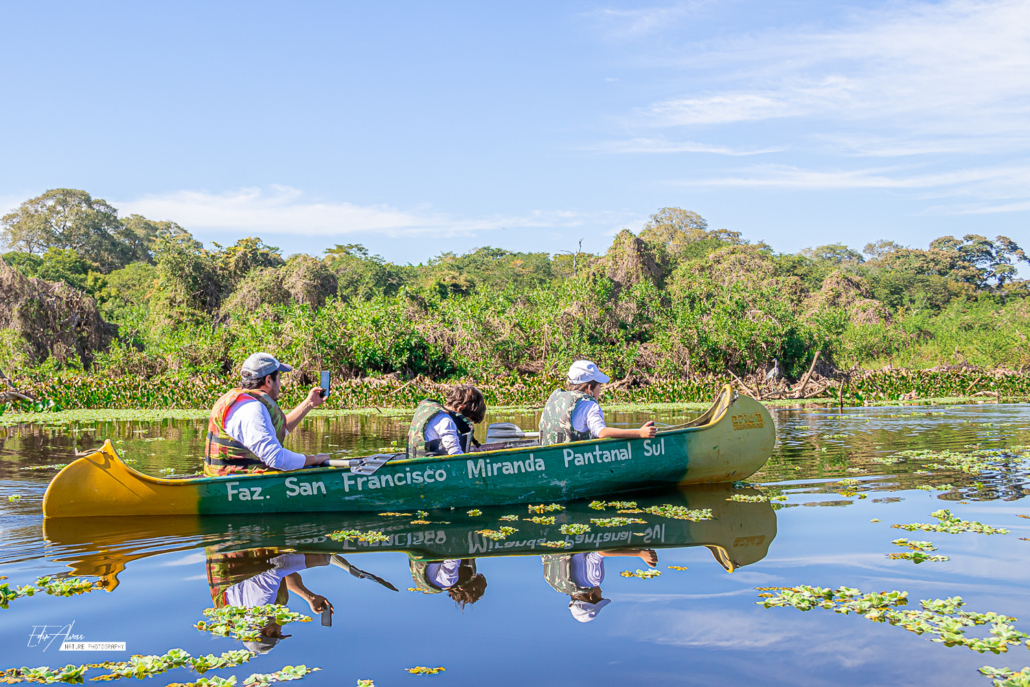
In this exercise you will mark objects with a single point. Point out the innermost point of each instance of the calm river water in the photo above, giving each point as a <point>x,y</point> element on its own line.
<point>700,625</point>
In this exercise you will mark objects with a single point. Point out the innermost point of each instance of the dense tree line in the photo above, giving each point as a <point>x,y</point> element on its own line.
<point>680,298</point>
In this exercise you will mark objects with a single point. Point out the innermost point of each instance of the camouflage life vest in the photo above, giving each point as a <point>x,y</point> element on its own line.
<point>558,573</point>
<point>223,455</point>
<point>418,574</point>
<point>227,569</point>
<point>418,447</point>
<point>556,420</point>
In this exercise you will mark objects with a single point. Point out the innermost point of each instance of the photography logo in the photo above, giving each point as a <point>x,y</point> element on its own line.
<point>45,635</point>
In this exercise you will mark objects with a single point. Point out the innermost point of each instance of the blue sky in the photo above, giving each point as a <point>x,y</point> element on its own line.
<point>415,128</point>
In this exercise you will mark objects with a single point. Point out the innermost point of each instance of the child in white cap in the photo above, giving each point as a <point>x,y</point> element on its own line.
<point>573,414</point>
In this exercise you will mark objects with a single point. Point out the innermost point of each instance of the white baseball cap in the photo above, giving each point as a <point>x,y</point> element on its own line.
<point>584,611</point>
<point>583,371</point>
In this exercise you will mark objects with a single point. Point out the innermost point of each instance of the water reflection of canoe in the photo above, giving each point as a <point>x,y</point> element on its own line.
<point>739,533</point>
<point>731,441</point>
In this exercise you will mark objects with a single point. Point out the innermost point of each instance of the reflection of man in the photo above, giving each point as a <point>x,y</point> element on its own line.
<point>268,578</point>
<point>580,576</point>
<point>456,577</point>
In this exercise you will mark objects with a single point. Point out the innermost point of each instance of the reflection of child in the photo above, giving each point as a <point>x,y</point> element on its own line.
<point>580,576</point>
<point>456,577</point>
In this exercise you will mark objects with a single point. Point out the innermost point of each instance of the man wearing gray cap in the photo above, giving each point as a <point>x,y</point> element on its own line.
<point>246,430</point>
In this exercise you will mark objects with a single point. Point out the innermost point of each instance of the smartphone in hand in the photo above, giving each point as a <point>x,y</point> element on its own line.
<point>327,615</point>
<point>325,382</point>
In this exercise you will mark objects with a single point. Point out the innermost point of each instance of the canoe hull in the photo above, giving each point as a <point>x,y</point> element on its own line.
<point>735,442</point>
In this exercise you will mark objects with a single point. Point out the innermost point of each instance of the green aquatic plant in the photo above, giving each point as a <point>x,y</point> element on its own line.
<point>371,537</point>
<point>394,515</point>
<point>616,522</point>
<point>284,675</point>
<point>677,567</point>
<point>680,512</point>
<point>541,520</point>
<point>497,535</point>
<point>213,681</point>
<point>601,505</point>
<point>422,670</point>
<point>366,683</point>
<point>14,497</point>
<point>67,586</point>
<point>642,574</point>
<point>749,498</point>
<point>943,618</point>
<point>245,623</point>
<point>575,528</point>
<point>951,524</point>
<point>9,594</point>
<point>474,512</point>
<point>886,460</point>
<point>916,557</point>
<point>546,508</point>
<point>509,518</point>
<point>557,544</point>
<point>58,466</point>
<point>1003,677</point>
<point>923,546</point>
<point>848,482</point>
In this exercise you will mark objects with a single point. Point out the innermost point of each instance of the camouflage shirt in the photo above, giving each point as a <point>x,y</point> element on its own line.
<point>418,447</point>
<point>558,573</point>
<point>556,420</point>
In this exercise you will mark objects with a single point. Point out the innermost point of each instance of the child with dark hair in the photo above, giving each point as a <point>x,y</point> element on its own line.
<point>446,429</point>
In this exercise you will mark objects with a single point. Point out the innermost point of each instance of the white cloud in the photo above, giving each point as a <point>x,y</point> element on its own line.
<point>286,210</point>
<point>639,22</point>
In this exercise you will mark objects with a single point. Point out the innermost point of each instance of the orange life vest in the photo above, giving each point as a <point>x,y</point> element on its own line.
<point>223,455</point>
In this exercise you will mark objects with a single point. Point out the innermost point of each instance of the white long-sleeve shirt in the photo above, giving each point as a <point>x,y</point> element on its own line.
<point>588,415</point>
<point>442,427</point>
<point>249,423</point>
<point>262,589</point>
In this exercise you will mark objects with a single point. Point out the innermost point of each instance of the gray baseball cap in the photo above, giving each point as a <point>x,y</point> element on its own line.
<point>261,364</point>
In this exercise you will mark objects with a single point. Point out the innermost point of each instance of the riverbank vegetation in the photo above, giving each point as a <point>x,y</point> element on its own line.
<point>106,311</point>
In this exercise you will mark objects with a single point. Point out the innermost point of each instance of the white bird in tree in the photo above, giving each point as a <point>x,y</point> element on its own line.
<point>772,375</point>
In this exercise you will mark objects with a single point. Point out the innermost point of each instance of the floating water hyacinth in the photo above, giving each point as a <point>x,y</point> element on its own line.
<point>943,618</point>
<point>856,470</point>
<point>541,519</point>
<point>422,670</point>
<point>642,574</point>
<point>616,522</point>
<point>509,518</point>
<point>14,497</point>
<point>474,512</point>
<point>915,545</point>
<point>749,498</point>
<point>557,544</point>
<point>419,522</point>
<point>575,528</point>
<point>497,535</point>
<point>835,436</point>
<point>245,623</point>
<point>848,482</point>
<point>366,683</point>
<point>779,498</point>
<point>546,508</point>
<point>370,537</point>
<point>1003,677</point>
<point>951,524</point>
<point>395,515</point>
<point>46,467</point>
<point>286,674</point>
<point>422,513</point>
<point>680,512</point>
<point>916,557</point>
<point>677,567</point>
<point>886,460</point>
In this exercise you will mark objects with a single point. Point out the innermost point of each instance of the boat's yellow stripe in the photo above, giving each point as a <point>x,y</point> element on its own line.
<point>101,483</point>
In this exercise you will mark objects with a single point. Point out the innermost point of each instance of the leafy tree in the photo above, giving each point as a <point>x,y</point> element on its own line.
<point>685,235</point>
<point>360,274</point>
<point>990,261</point>
<point>142,236</point>
<point>67,218</point>
<point>879,249</point>
<point>233,263</point>
<point>834,254</point>
<point>58,265</point>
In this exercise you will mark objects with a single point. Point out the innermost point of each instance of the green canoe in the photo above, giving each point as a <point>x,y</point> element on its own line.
<point>731,441</point>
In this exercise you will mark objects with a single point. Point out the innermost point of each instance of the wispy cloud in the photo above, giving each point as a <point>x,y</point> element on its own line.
<point>662,145</point>
<point>638,22</point>
<point>286,210</point>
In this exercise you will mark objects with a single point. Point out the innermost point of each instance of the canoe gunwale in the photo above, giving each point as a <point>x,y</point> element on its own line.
<point>714,413</point>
